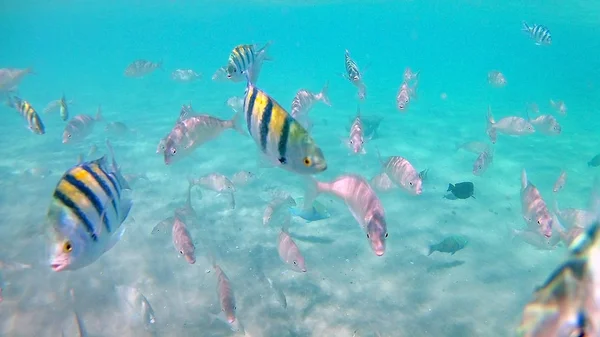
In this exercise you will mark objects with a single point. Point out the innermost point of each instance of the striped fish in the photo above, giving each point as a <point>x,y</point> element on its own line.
<point>279,136</point>
<point>86,213</point>
<point>226,299</point>
<point>540,34</point>
<point>64,109</point>
<point>304,101</point>
<point>242,59</point>
<point>354,75</point>
<point>80,126</point>
<point>34,122</point>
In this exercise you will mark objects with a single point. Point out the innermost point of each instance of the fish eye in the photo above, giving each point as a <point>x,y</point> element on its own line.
<point>295,263</point>
<point>368,236</point>
<point>351,142</point>
<point>410,183</point>
<point>386,235</point>
<point>69,135</point>
<point>173,150</point>
<point>307,161</point>
<point>539,222</point>
<point>67,247</point>
<point>181,252</point>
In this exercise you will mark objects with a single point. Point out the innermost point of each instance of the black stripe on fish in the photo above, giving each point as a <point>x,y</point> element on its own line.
<point>67,202</point>
<point>283,139</point>
<point>250,108</point>
<point>264,124</point>
<point>106,190</point>
<point>88,193</point>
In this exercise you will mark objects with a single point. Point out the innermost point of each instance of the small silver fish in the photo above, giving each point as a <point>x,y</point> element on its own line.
<point>136,307</point>
<point>405,94</point>
<point>216,182</point>
<point>288,250</point>
<point>473,147</point>
<point>243,178</point>
<point>184,75</point>
<point>182,240</point>
<point>534,209</point>
<point>560,182</point>
<point>496,78</point>
<point>303,103</point>
<point>383,183</point>
<point>559,106</point>
<point>226,299</point>
<point>277,204</point>
<point>139,68</point>
<point>80,126</point>
<point>515,126</point>
<point>10,78</point>
<point>402,173</point>
<point>483,161</point>
<point>354,75</point>
<point>356,138</point>
<point>547,125</point>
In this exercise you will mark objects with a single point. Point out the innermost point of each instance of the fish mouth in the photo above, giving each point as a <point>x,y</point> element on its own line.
<point>190,259</point>
<point>57,267</point>
<point>379,252</point>
<point>320,167</point>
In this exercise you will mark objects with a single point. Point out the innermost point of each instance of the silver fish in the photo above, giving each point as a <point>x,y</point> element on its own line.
<point>534,209</point>
<point>216,182</point>
<point>136,307</point>
<point>288,251</point>
<point>243,178</point>
<point>361,200</point>
<point>303,103</point>
<point>515,126</point>
<point>80,126</point>
<point>483,161</point>
<point>405,93</point>
<point>139,68</point>
<point>383,183</point>
<point>10,78</point>
<point>496,78</point>
<point>547,125</point>
<point>354,75</point>
<point>559,106</point>
<point>560,182</point>
<point>226,299</point>
<point>184,75</point>
<point>402,173</point>
<point>182,240</point>
<point>473,147</point>
<point>356,139</point>
<point>278,203</point>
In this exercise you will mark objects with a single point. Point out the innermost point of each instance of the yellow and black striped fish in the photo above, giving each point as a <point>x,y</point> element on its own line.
<point>243,57</point>
<point>86,213</point>
<point>64,109</point>
<point>279,136</point>
<point>352,70</point>
<point>34,122</point>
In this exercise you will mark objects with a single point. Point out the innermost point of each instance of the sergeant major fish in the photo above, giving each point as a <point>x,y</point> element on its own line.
<point>279,136</point>
<point>80,126</point>
<point>540,34</point>
<point>303,103</point>
<point>64,109</point>
<point>362,202</point>
<point>354,75</point>
<point>34,122</point>
<point>243,57</point>
<point>534,209</point>
<point>139,68</point>
<point>86,214</point>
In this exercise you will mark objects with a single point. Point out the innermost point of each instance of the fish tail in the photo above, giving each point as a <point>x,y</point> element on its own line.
<point>115,167</point>
<point>525,27</point>
<point>324,94</point>
<point>431,249</point>
<point>524,181</point>
<point>99,113</point>
<point>450,187</point>
<point>262,52</point>
<point>490,130</point>
<point>311,193</point>
<point>237,125</point>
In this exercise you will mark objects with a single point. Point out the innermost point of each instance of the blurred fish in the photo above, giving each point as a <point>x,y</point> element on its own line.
<point>80,159</point>
<point>93,150</point>
<point>278,203</point>
<point>133,178</point>
<point>163,225</point>
<point>540,34</point>
<point>451,244</point>
<point>483,161</point>
<point>86,214</point>
<point>546,124</point>
<point>534,209</point>
<point>371,126</point>
<point>118,129</point>
<point>136,307</point>
<point>303,103</point>
<point>10,78</point>
<point>191,132</point>
<point>226,299</point>
<point>361,200</point>
<point>38,172</point>
<point>560,182</point>
<point>402,173</point>
<point>533,107</point>
<point>515,126</point>
<point>559,106</point>
<point>235,103</point>
<point>496,78</point>
<point>79,325</point>
<point>182,240</point>
<point>216,182</point>
<point>55,105</point>
<point>281,139</point>
<point>409,75</point>
<point>288,250</point>
<point>187,212</point>
<point>567,235</point>
<point>473,147</point>
<point>139,68</point>
<point>80,126</point>
<point>573,217</point>
<point>316,212</point>
<point>383,183</point>
<point>463,190</point>
<point>34,122</point>
<point>243,178</point>
<point>280,294</point>
<point>184,75</point>
<point>13,266</point>
<point>64,108</point>
<point>594,162</point>
<point>405,94</point>
<point>242,59</point>
<point>354,75</point>
<point>356,138</point>
<point>534,239</point>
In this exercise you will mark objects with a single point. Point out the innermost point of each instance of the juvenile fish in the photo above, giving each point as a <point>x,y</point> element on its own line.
<point>80,126</point>
<point>534,209</point>
<point>34,122</point>
<point>275,205</point>
<point>184,75</point>
<point>303,103</point>
<point>86,214</point>
<point>540,34</point>
<point>560,182</point>
<point>402,173</point>
<point>515,126</point>
<point>279,136</point>
<point>139,68</point>
<point>361,200</point>
<point>356,139</point>
<point>288,250</point>
<point>354,75</point>
<point>242,59</point>
<point>182,240</point>
<point>483,161</point>
<point>496,78</point>
<point>451,244</point>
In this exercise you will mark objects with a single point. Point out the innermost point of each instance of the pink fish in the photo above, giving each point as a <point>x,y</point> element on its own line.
<point>182,241</point>
<point>515,126</point>
<point>382,183</point>
<point>304,101</point>
<point>288,250</point>
<point>405,93</point>
<point>226,299</point>
<point>560,182</point>
<point>80,126</point>
<point>534,209</point>
<point>361,200</point>
<point>356,139</point>
<point>483,161</point>
<point>402,173</point>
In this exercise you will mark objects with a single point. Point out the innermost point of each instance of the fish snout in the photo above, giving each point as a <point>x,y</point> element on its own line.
<point>191,259</point>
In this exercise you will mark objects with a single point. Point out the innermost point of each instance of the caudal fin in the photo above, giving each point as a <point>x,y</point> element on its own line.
<point>490,130</point>
<point>525,27</point>
<point>311,193</point>
<point>236,124</point>
<point>431,249</point>
<point>323,96</point>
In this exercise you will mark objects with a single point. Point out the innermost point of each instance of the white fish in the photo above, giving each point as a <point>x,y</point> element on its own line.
<point>288,250</point>
<point>303,103</point>
<point>559,106</point>
<point>547,125</point>
<point>515,126</point>
<point>402,173</point>
<point>136,307</point>
<point>560,182</point>
<point>496,78</point>
<point>534,209</point>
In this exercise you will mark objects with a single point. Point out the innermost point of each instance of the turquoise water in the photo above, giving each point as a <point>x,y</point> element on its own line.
<point>82,48</point>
